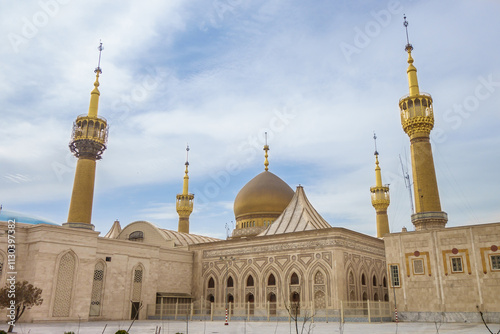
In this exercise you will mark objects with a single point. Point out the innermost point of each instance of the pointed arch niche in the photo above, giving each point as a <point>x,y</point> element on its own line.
<point>97,289</point>
<point>64,285</point>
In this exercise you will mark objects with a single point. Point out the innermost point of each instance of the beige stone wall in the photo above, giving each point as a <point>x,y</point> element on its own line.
<point>439,288</point>
<point>330,252</point>
<point>40,248</point>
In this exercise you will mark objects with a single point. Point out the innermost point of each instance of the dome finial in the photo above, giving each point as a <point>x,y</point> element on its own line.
<point>375,140</point>
<point>266,148</point>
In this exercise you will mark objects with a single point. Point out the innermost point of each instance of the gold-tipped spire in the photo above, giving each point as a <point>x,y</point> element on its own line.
<point>94,95</point>
<point>266,148</point>
<point>412,70</point>
<point>186,177</point>
<point>380,197</point>
<point>184,204</point>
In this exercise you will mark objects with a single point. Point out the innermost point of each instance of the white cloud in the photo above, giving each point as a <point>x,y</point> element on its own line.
<point>217,77</point>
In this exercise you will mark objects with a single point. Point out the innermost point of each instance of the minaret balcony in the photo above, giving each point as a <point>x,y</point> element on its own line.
<point>184,202</point>
<point>417,114</point>
<point>380,195</point>
<point>89,137</point>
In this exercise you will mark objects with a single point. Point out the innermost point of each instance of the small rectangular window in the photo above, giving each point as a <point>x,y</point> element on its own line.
<point>418,267</point>
<point>495,262</point>
<point>456,265</point>
<point>394,268</point>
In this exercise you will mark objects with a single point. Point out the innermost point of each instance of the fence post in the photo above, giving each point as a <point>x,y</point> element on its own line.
<point>176,308</point>
<point>326,311</point>
<point>211,311</point>
<point>369,314</point>
<point>192,311</point>
<point>342,311</point>
<point>248,311</point>
<point>230,309</point>
<point>161,308</point>
<point>312,312</point>
<point>268,310</point>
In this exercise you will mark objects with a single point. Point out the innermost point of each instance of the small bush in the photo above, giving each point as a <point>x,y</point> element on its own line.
<point>3,332</point>
<point>64,333</point>
<point>121,331</point>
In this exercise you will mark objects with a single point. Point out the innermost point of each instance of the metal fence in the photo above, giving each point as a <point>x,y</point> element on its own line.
<point>367,311</point>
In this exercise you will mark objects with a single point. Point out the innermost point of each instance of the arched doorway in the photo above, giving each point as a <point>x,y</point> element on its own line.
<point>250,303</point>
<point>295,303</point>
<point>272,303</point>
<point>230,301</point>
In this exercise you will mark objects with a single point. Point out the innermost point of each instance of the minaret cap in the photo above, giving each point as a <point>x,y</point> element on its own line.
<point>94,95</point>
<point>186,177</point>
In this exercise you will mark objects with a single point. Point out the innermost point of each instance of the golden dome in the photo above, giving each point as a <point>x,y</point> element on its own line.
<point>264,195</point>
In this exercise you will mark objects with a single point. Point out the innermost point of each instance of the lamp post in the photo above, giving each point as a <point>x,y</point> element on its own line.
<point>394,291</point>
<point>226,259</point>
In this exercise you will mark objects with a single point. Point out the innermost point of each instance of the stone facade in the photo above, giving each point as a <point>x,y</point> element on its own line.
<point>76,268</point>
<point>322,260</point>
<point>446,274</point>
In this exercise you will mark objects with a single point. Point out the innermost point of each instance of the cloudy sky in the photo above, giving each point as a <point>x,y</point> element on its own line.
<point>319,76</point>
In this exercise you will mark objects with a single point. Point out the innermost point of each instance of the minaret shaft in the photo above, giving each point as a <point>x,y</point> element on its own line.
<point>80,208</point>
<point>425,186</point>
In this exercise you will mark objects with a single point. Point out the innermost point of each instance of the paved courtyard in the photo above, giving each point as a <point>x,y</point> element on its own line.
<point>201,327</point>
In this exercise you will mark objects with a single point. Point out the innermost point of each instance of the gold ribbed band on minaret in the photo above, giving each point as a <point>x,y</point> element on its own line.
<point>88,142</point>
<point>417,119</point>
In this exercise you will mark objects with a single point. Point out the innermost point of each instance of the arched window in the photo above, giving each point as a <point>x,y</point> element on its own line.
<point>271,280</point>
<point>374,280</point>
<point>351,278</point>
<point>352,296</point>
<point>211,283</point>
<point>230,282</point>
<point>363,279</point>
<point>365,296</point>
<point>211,298</point>
<point>97,286</point>
<point>136,236</point>
<point>294,280</point>
<point>319,278</point>
<point>64,286</point>
<point>250,281</point>
<point>384,282</point>
<point>386,297</point>
<point>375,297</point>
<point>137,279</point>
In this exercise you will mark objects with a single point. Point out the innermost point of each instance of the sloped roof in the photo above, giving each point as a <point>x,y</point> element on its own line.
<point>114,230</point>
<point>184,239</point>
<point>298,216</point>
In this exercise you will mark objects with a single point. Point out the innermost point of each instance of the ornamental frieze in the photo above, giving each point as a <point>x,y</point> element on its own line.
<point>294,246</point>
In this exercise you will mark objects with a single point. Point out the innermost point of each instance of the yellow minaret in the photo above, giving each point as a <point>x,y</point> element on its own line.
<point>417,118</point>
<point>88,142</point>
<point>380,198</point>
<point>184,204</point>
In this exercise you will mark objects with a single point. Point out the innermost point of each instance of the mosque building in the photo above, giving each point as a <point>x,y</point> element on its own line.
<point>281,255</point>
